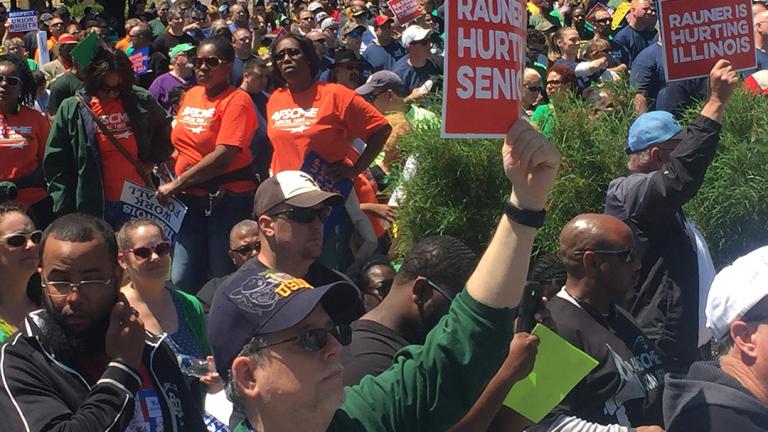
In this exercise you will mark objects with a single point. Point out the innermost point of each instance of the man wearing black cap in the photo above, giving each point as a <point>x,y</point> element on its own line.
<point>667,166</point>
<point>277,340</point>
<point>383,52</point>
<point>348,69</point>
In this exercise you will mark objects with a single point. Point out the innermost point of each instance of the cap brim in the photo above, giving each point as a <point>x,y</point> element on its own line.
<point>341,300</point>
<point>365,89</point>
<point>313,198</point>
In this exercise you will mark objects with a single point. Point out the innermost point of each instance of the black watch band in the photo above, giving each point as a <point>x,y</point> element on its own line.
<point>529,218</point>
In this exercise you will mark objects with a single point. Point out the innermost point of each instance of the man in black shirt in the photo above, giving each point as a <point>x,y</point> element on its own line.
<point>174,34</point>
<point>624,390</point>
<point>433,272</point>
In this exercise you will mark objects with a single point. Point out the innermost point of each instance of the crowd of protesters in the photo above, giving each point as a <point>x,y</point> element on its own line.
<point>278,304</point>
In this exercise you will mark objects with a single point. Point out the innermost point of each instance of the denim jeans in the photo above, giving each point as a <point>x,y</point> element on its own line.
<point>200,253</point>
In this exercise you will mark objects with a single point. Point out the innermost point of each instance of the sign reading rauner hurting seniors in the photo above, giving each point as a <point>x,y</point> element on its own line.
<point>484,61</point>
<point>696,34</point>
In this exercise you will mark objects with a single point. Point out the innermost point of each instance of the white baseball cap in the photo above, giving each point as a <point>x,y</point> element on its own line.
<point>735,290</point>
<point>413,34</point>
<point>314,6</point>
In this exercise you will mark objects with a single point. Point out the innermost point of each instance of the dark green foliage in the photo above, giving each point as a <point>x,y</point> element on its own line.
<point>459,187</point>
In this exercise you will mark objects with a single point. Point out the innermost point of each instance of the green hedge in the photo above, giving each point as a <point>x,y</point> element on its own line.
<point>459,186</point>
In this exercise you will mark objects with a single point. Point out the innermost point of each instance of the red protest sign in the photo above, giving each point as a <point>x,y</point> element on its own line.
<point>405,10</point>
<point>484,60</point>
<point>697,34</point>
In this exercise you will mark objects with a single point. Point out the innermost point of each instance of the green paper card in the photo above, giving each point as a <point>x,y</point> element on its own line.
<point>559,367</point>
<point>83,52</point>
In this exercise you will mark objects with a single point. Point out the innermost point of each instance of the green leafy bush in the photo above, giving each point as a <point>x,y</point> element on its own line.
<point>459,186</point>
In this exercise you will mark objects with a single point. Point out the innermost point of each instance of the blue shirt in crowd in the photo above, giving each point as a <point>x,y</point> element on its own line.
<point>414,77</point>
<point>633,42</point>
<point>647,75</point>
<point>384,57</point>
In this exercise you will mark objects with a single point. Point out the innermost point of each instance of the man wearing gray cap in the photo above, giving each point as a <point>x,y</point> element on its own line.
<point>730,393</point>
<point>277,340</point>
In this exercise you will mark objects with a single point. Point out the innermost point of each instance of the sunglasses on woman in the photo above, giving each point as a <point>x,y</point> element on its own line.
<point>20,239</point>
<point>211,62</point>
<point>161,249</point>
<point>12,81</point>
<point>304,215</point>
<point>290,52</point>
<point>313,340</point>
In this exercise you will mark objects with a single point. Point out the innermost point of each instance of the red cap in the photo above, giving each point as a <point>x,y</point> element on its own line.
<point>757,83</point>
<point>67,38</point>
<point>383,19</point>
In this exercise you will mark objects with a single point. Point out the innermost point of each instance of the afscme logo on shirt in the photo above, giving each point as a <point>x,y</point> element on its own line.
<point>198,112</point>
<point>294,113</point>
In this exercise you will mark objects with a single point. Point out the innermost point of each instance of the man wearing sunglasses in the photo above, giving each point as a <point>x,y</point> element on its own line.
<point>640,31</point>
<point>278,341</point>
<point>418,67</point>
<point>730,393</point>
<point>624,391</point>
<point>385,50</point>
<point>667,165</point>
<point>244,244</point>
<point>84,361</point>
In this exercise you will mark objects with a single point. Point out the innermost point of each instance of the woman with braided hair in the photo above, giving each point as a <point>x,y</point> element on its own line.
<point>23,133</point>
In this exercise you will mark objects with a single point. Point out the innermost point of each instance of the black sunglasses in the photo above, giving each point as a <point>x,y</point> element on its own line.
<point>304,215</point>
<point>10,80</point>
<point>313,340</point>
<point>627,254</point>
<point>247,249</point>
<point>211,62</point>
<point>20,239</point>
<point>534,89</point>
<point>290,52</point>
<point>161,249</point>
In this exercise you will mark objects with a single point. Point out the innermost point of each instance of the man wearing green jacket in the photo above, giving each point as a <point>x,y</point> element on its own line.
<point>277,340</point>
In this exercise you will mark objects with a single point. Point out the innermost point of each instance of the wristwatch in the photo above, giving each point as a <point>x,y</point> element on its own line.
<point>529,218</point>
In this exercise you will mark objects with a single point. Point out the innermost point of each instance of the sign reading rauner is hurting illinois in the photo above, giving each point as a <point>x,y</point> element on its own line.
<point>484,60</point>
<point>696,34</point>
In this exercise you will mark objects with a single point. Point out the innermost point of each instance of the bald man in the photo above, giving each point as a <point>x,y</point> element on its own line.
<point>640,31</point>
<point>623,393</point>
<point>244,244</point>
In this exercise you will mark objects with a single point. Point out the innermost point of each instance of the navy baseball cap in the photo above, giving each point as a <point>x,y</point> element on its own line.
<point>653,128</point>
<point>257,301</point>
<point>382,81</point>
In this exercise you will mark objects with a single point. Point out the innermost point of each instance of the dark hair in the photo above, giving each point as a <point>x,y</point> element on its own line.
<point>307,47</point>
<point>223,33</point>
<point>28,88</point>
<point>252,64</point>
<point>81,228</point>
<point>145,31</point>
<point>39,77</point>
<point>9,207</point>
<point>535,36</point>
<point>444,260</point>
<point>223,48</point>
<point>175,10</point>
<point>104,62</point>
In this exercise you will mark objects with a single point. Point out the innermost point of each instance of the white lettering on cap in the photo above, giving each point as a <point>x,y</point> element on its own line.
<point>294,183</point>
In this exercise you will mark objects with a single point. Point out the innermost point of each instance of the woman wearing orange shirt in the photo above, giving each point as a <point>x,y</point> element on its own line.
<point>214,176</point>
<point>86,171</point>
<point>305,114</point>
<point>23,133</point>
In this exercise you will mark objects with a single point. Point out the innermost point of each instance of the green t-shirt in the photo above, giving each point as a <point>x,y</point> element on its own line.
<point>430,387</point>
<point>544,118</point>
<point>32,65</point>
<point>157,27</point>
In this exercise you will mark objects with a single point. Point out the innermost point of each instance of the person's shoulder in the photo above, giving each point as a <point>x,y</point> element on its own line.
<point>401,64</point>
